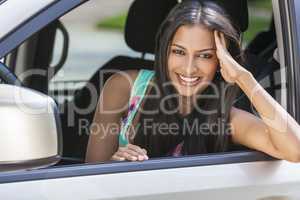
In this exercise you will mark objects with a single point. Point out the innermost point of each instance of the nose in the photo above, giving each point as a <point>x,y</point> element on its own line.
<point>191,68</point>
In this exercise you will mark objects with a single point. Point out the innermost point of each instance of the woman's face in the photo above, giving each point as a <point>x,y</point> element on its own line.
<point>192,61</point>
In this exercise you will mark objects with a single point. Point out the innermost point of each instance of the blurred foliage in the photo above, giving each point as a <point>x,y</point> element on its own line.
<point>260,12</point>
<point>261,4</point>
<point>256,24</point>
<point>115,22</point>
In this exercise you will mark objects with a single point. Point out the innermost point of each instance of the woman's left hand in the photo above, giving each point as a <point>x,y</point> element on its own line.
<point>230,69</point>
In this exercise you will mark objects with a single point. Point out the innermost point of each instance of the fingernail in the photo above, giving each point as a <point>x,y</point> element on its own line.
<point>146,157</point>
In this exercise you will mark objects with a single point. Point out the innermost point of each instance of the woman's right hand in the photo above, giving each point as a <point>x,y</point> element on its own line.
<point>130,153</point>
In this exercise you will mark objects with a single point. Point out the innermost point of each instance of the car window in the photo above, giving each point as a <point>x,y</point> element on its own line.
<point>96,39</point>
<point>260,16</point>
<point>96,35</point>
<point>96,32</point>
<point>260,39</point>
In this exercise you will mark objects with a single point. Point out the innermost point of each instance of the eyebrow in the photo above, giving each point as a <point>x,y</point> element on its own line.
<point>202,50</point>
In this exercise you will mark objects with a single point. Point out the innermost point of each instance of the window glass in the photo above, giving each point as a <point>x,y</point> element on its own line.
<point>260,16</point>
<point>96,32</point>
<point>96,35</point>
<point>260,40</point>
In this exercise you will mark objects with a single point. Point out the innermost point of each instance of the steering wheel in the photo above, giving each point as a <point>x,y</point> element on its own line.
<point>6,76</point>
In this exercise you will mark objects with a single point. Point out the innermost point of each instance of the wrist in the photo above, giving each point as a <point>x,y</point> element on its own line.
<point>244,78</point>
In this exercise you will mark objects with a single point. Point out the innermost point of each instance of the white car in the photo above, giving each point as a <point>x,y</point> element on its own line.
<point>35,167</point>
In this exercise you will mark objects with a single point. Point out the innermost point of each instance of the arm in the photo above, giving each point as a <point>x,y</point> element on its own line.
<point>276,133</point>
<point>112,104</point>
<point>104,132</point>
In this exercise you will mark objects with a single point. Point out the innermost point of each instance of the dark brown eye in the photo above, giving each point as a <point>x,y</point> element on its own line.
<point>205,55</point>
<point>178,52</point>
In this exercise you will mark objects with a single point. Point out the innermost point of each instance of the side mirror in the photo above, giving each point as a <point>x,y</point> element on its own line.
<point>30,131</point>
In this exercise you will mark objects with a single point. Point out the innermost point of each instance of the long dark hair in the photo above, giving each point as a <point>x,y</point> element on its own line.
<point>213,17</point>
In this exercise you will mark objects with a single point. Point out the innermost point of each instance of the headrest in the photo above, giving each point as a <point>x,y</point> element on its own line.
<point>145,16</point>
<point>143,21</point>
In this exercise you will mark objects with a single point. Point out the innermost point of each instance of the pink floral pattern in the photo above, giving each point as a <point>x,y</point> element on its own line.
<point>132,106</point>
<point>177,150</point>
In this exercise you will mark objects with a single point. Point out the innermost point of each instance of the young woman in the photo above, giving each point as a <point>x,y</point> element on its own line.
<point>185,106</point>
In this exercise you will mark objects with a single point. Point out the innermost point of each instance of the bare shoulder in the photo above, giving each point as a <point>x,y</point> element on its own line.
<point>241,118</point>
<point>121,81</point>
<point>123,78</point>
<point>236,112</point>
<point>244,124</point>
<point>240,122</point>
<point>116,90</point>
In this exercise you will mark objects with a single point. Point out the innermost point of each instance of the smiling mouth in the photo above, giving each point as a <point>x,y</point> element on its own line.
<point>188,81</point>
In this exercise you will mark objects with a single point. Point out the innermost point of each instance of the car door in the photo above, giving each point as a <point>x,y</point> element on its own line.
<point>233,175</point>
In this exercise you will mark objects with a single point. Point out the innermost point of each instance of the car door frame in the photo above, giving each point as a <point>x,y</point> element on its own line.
<point>55,172</point>
<point>292,53</point>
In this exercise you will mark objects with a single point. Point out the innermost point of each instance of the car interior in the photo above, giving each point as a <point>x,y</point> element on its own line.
<point>139,35</point>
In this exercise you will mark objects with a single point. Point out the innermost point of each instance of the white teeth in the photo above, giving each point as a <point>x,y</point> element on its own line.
<point>188,79</point>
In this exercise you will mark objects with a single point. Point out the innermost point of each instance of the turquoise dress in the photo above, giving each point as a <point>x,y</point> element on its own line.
<point>137,94</point>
